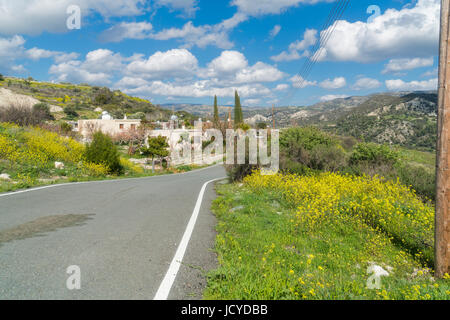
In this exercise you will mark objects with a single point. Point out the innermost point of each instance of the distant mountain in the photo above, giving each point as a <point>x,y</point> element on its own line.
<point>403,118</point>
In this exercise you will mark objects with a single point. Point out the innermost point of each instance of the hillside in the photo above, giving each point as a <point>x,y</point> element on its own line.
<point>403,118</point>
<point>87,101</point>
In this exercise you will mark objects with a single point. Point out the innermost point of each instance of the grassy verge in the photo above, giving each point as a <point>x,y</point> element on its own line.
<point>28,156</point>
<point>267,251</point>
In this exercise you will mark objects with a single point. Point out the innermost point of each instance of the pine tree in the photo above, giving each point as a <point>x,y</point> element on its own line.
<point>238,117</point>
<point>216,113</point>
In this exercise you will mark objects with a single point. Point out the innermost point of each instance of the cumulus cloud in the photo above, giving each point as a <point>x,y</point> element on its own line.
<point>262,7</point>
<point>198,89</point>
<point>335,83</point>
<point>260,72</point>
<point>10,48</point>
<point>232,68</point>
<point>366,83</point>
<point>409,32</point>
<point>98,67</point>
<point>400,85</point>
<point>282,87</point>
<point>396,65</point>
<point>189,7</point>
<point>179,63</point>
<point>309,39</point>
<point>330,97</point>
<point>33,17</point>
<point>203,36</point>
<point>126,30</point>
<point>227,62</point>
<point>300,83</point>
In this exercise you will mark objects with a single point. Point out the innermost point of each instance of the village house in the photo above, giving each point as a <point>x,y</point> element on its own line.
<point>107,125</point>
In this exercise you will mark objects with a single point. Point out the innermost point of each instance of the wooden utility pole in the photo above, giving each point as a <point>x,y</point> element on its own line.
<point>442,218</point>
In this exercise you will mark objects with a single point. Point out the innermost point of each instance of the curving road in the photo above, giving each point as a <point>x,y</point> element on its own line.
<point>122,234</point>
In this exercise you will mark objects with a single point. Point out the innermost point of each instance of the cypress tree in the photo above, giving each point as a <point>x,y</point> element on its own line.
<point>216,113</point>
<point>238,117</point>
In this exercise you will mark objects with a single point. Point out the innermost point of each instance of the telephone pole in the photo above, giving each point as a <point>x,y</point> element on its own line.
<point>442,218</point>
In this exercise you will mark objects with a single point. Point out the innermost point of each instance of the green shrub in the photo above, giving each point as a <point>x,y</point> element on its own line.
<point>43,110</point>
<point>306,138</point>
<point>419,178</point>
<point>374,153</point>
<point>70,112</point>
<point>1,77</point>
<point>306,149</point>
<point>103,151</point>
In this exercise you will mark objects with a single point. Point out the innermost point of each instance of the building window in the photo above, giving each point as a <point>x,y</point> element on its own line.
<point>133,127</point>
<point>121,126</point>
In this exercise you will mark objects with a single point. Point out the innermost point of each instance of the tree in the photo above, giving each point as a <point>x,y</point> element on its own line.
<point>1,77</point>
<point>157,147</point>
<point>103,151</point>
<point>238,117</point>
<point>216,113</point>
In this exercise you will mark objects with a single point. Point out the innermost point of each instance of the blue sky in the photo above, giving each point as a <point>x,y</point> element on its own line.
<point>186,51</point>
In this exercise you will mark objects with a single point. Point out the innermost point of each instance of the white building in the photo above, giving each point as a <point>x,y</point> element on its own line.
<point>107,125</point>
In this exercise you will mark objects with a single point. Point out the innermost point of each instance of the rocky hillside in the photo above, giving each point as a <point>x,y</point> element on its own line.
<point>71,102</point>
<point>406,118</point>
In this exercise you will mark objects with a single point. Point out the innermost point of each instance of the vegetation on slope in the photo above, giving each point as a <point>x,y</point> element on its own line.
<point>298,237</point>
<point>28,156</point>
<point>81,101</point>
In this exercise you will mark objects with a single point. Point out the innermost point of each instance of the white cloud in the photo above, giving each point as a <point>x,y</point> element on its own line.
<point>203,36</point>
<point>179,63</point>
<point>131,82</point>
<point>126,30</point>
<point>309,39</point>
<point>228,62</point>
<point>262,7</point>
<point>275,31</point>
<point>281,87</point>
<point>300,83</point>
<point>37,54</point>
<point>366,83</point>
<point>409,32</point>
<point>232,68</point>
<point>431,73</point>
<point>251,102</point>
<point>335,83</point>
<point>10,49</point>
<point>98,67</point>
<point>260,72</point>
<point>400,85</point>
<point>197,89</point>
<point>395,65</point>
<point>330,97</point>
<point>73,71</point>
<point>36,16</point>
<point>188,6</point>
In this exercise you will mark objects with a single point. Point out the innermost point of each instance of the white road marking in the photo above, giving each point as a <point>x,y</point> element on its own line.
<point>166,284</point>
<point>99,181</point>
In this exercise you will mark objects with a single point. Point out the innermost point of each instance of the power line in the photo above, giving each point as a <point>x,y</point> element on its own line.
<point>327,30</point>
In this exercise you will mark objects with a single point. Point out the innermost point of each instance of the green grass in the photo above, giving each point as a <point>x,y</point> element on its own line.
<point>423,158</point>
<point>262,254</point>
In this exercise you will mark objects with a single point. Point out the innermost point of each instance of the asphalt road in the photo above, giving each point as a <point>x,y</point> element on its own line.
<point>122,235</point>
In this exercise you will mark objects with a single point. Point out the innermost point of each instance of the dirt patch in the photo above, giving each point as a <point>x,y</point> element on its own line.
<point>41,226</point>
